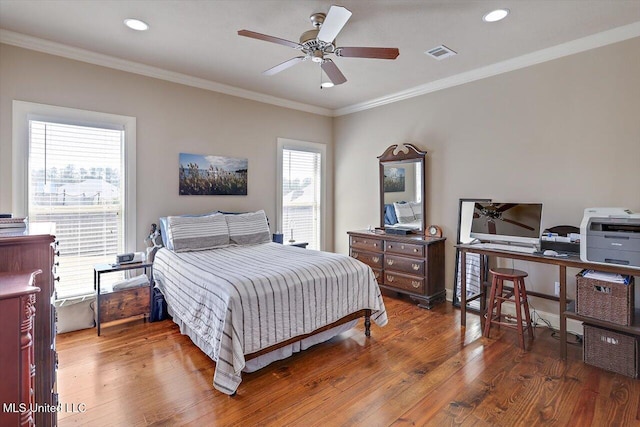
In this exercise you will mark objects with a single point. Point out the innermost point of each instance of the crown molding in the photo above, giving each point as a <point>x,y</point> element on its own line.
<point>575,46</point>
<point>59,49</point>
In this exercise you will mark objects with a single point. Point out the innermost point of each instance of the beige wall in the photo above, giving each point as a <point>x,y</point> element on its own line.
<point>565,133</point>
<point>171,118</point>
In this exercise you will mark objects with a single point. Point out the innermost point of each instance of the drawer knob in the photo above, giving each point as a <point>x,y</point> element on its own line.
<point>375,245</point>
<point>375,259</point>
<point>390,261</point>
<point>390,246</point>
<point>415,249</point>
<point>390,278</point>
<point>355,255</point>
<point>401,246</point>
<point>376,274</point>
<point>416,267</point>
<point>415,283</point>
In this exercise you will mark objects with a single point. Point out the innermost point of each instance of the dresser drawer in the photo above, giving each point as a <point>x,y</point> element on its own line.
<point>371,259</point>
<point>366,243</point>
<point>122,304</point>
<point>404,281</point>
<point>404,264</point>
<point>404,248</point>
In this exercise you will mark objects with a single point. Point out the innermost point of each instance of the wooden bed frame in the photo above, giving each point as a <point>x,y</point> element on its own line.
<point>366,313</point>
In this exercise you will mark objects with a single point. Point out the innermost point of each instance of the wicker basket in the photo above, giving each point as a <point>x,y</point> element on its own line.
<point>613,351</point>
<point>608,301</point>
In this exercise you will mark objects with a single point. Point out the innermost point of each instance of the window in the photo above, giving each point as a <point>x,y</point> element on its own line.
<point>76,177</point>
<point>301,191</point>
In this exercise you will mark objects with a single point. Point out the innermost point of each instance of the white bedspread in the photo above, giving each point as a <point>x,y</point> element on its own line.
<point>242,299</point>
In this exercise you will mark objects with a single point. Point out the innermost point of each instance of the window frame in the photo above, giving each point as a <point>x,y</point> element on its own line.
<point>313,147</point>
<point>24,111</point>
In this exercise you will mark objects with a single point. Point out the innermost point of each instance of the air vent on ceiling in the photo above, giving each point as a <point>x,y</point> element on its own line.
<point>440,52</point>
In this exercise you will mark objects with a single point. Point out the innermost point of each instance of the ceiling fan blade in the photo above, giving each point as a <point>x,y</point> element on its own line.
<point>491,225</point>
<point>332,71</point>
<point>259,36</point>
<point>283,66</point>
<point>368,52</point>
<point>333,23</point>
<point>519,224</point>
<point>505,207</point>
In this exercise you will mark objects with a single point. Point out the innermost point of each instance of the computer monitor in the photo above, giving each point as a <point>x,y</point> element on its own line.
<point>507,222</point>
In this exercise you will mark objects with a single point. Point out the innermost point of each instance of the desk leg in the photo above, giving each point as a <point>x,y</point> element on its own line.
<point>463,288</point>
<point>98,302</point>
<point>483,295</point>
<point>563,308</point>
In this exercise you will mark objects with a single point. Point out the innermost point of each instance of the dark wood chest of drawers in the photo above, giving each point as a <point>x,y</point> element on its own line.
<point>29,251</point>
<point>17,309</point>
<point>412,264</point>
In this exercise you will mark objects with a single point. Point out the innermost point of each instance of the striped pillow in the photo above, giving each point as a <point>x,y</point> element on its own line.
<point>416,207</point>
<point>197,233</point>
<point>404,213</point>
<point>249,228</point>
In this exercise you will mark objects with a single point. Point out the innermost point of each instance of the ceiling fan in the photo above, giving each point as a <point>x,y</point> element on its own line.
<point>319,43</point>
<point>494,212</point>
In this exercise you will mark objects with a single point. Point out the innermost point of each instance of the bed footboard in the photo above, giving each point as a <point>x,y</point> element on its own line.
<point>366,313</point>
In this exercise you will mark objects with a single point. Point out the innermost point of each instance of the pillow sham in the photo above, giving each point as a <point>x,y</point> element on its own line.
<point>164,232</point>
<point>248,228</point>
<point>416,207</point>
<point>197,233</point>
<point>390,217</point>
<point>404,213</point>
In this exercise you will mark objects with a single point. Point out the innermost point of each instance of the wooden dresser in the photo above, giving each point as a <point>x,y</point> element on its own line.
<point>17,308</point>
<point>29,251</point>
<point>411,264</point>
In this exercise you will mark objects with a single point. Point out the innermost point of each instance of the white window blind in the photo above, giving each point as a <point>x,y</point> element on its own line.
<point>301,196</point>
<point>76,182</point>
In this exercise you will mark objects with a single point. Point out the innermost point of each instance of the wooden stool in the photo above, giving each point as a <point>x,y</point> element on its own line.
<point>518,296</point>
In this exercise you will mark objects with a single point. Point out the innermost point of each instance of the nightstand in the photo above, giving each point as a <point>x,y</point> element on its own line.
<point>123,303</point>
<point>302,245</point>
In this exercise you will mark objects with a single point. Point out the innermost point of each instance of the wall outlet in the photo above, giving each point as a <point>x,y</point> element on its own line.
<point>556,290</point>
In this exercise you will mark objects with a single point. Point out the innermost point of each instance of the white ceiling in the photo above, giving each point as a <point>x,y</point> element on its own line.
<point>198,38</point>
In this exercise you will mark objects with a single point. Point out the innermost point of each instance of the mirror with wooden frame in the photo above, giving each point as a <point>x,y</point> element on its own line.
<point>402,188</point>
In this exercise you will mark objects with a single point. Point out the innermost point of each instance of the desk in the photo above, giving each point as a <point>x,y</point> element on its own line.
<point>562,263</point>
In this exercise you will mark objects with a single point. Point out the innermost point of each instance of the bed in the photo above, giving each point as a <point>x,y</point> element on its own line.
<point>263,301</point>
<point>403,215</point>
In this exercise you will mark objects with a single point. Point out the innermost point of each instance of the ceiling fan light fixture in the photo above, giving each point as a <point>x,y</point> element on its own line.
<point>495,15</point>
<point>326,85</point>
<point>136,24</point>
<point>318,56</point>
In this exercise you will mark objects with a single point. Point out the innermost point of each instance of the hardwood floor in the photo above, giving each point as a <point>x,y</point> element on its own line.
<point>420,369</point>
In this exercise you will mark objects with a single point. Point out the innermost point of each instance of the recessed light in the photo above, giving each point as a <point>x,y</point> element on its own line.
<point>136,24</point>
<point>326,85</point>
<point>495,15</point>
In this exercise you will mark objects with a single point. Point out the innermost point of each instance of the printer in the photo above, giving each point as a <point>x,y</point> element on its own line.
<point>610,236</point>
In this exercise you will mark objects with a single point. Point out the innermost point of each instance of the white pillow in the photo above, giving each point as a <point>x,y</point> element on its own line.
<point>197,233</point>
<point>416,207</point>
<point>248,228</point>
<point>404,213</point>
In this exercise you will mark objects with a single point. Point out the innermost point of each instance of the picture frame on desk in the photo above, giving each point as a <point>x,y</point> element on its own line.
<point>462,236</point>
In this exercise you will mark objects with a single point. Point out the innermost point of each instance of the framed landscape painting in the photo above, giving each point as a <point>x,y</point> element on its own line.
<point>393,179</point>
<point>202,175</point>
